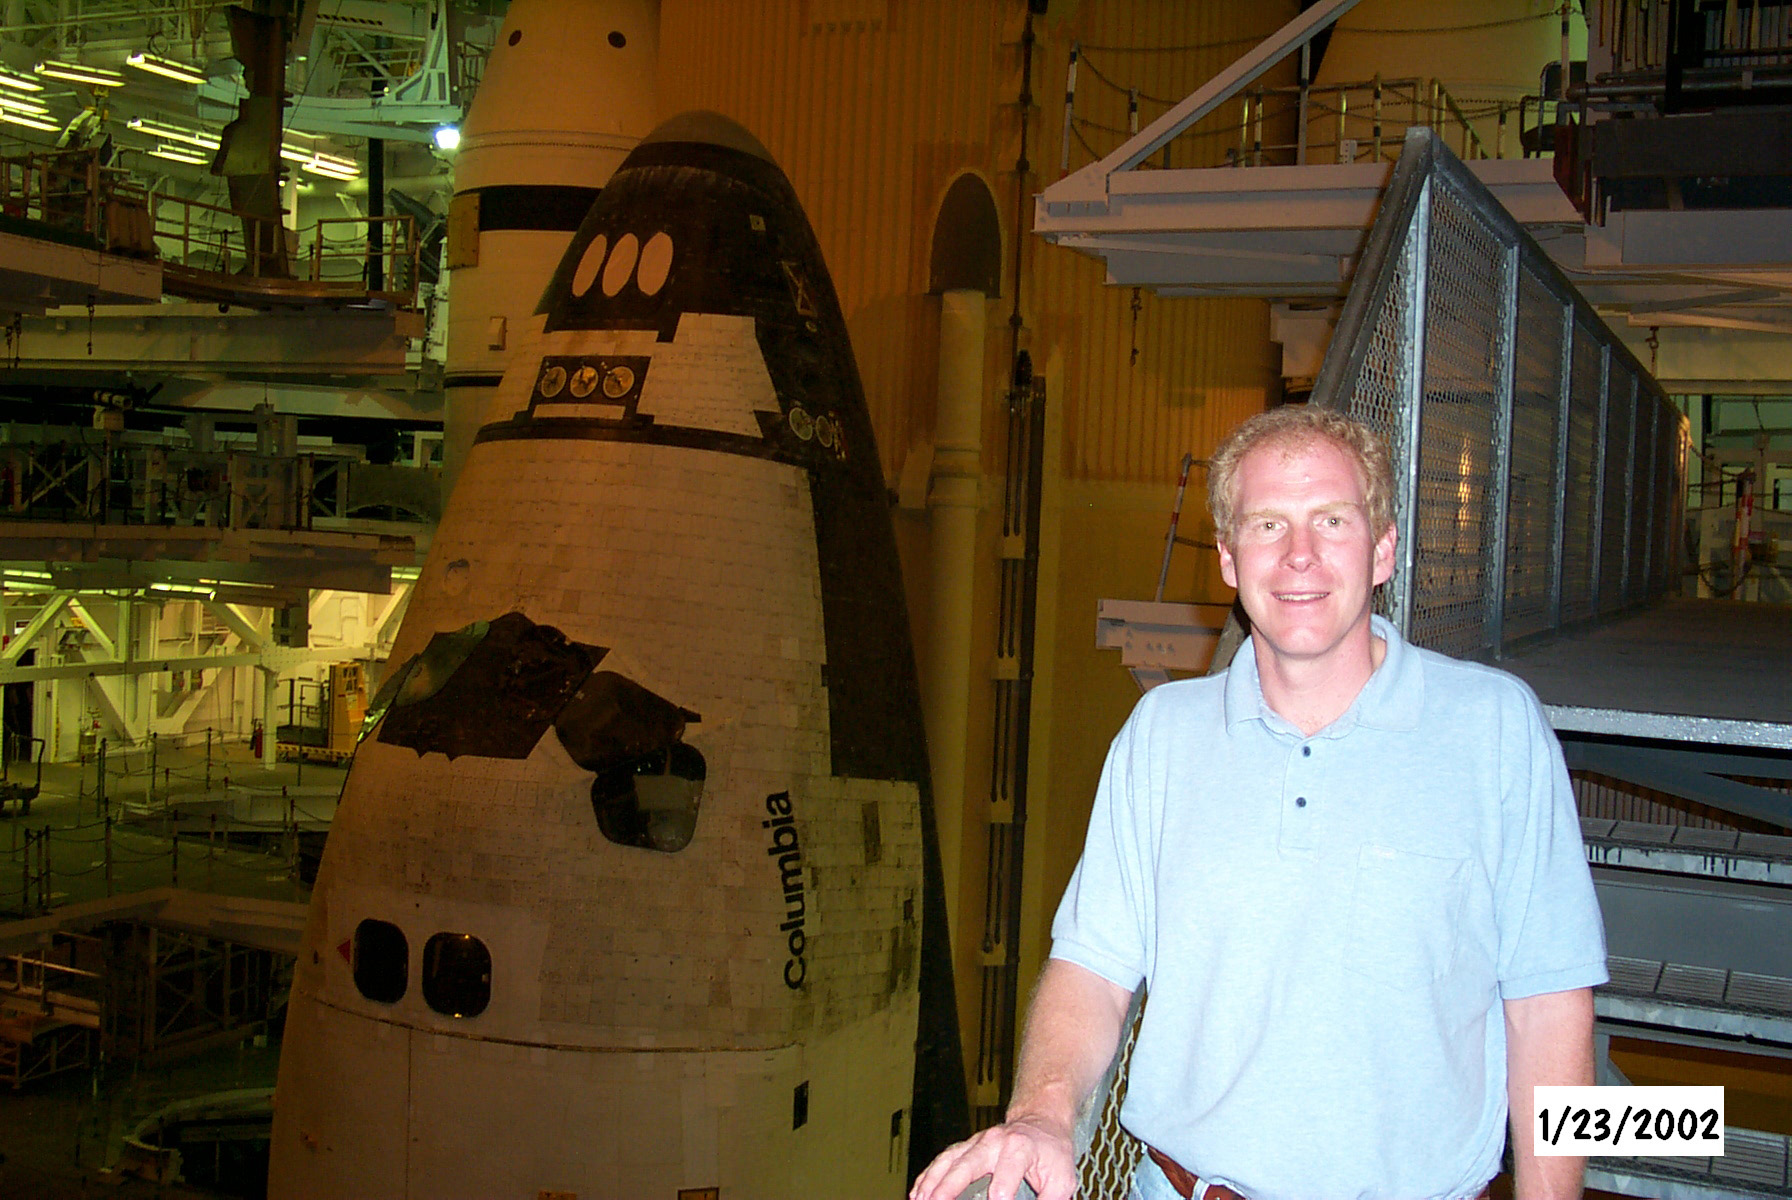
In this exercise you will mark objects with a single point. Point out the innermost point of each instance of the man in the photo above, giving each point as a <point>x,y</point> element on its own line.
<point>1350,873</point>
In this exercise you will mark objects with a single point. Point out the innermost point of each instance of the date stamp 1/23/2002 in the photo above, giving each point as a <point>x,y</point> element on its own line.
<point>1629,1122</point>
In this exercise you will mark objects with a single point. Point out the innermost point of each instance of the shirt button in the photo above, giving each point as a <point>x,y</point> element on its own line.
<point>1306,752</point>
<point>1300,802</point>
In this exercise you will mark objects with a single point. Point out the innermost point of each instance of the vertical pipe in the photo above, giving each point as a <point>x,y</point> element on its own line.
<point>1562,88</point>
<point>270,685</point>
<point>952,502</point>
<point>376,212</point>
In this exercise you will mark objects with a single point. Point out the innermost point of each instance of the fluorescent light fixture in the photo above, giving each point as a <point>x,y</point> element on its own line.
<point>401,574</point>
<point>19,83</point>
<point>179,154</point>
<point>30,104</point>
<point>49,68</point>
<point>182,589</point>
<point>25,573</point>
<point>337,162</point>
<point>166,67</point>
<point>328,170</point>
<point>174,133</point>
<point>447,137</point>
<point>29,121</point>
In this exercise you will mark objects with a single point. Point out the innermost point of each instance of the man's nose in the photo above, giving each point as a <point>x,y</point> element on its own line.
<point>1298,550</point>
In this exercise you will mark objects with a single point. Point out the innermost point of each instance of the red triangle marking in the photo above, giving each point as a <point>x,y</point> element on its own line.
<point>343,950</point>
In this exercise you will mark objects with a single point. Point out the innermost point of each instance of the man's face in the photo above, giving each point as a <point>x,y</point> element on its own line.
<point>1302,556</point>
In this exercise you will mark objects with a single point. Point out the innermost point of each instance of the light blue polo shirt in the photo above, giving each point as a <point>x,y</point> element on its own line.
<point>1328,924</point>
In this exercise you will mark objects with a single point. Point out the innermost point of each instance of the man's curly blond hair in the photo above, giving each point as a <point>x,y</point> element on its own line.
<point>1296,427</point>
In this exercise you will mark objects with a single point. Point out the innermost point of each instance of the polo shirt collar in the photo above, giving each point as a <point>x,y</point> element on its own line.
<point>1392,699</point>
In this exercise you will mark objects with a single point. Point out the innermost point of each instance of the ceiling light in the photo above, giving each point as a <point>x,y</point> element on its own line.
<point>328,171</point>
<point>19,83</point>
<point>337,163</point>
<point>447,137</point>
<point>30,104</point>
<point>79,73</point>
<point>174,133</point>
<point>165,67</point>
<point>29,121</point>
<point>179,154</point>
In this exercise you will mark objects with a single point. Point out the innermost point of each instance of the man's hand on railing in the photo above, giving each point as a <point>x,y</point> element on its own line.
<point>1000,1163</point>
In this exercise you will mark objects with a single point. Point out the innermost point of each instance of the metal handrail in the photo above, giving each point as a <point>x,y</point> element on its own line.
<point>70,191</point>
<point>216,240</point>
<point>1381,109</point>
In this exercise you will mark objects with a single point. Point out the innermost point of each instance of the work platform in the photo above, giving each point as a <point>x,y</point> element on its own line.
<point>1671,671</point>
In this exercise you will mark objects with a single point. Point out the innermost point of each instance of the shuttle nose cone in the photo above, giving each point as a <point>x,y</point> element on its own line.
<point>707,129</point>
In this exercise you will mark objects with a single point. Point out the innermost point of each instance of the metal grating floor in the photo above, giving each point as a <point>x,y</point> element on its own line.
<point>1699,999</point>
<point>1671,671</point>
<point>1683,850</point>
<point>1753,1167</point>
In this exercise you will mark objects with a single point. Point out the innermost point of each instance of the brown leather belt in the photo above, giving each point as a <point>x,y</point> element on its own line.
<point>1185,1181</point>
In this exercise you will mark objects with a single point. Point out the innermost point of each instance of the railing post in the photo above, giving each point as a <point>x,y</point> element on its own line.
<point>108,854</point>
<point>1564,417</point>
<point>1257,133</point>
<point>1493,585</point>
<point>1377,116</point>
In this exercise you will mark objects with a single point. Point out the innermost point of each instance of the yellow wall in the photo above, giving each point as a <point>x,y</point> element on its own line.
<point>873,108</point>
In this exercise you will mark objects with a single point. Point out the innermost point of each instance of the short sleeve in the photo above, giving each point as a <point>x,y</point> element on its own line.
<point>1551,936</point>
<point>1103,921</point>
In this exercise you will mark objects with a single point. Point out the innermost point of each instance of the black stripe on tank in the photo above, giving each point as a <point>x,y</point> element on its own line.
<point>596,429</point>
<point>539,206</point>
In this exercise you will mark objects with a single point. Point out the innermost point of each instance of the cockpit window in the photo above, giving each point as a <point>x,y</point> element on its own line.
<point>381,960</point>
<point>457,974</point>
<point>649,782</point>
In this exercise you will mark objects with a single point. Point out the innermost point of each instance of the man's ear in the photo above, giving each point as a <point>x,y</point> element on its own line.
<point>1384,554</point>
<point>1228,569</point>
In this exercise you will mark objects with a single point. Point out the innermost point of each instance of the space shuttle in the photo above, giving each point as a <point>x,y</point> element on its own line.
<point>633,891</point>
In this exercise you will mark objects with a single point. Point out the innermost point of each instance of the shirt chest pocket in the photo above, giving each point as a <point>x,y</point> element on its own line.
<point>1404,914</point>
